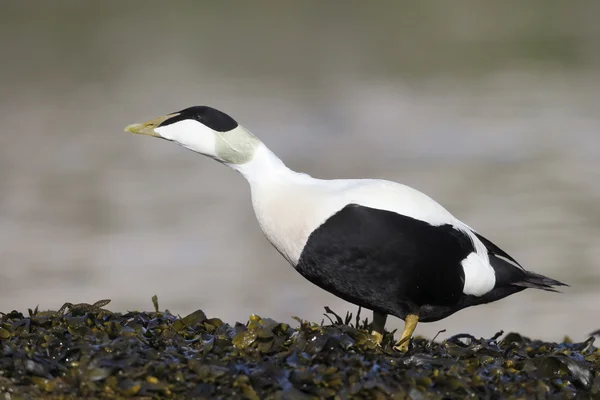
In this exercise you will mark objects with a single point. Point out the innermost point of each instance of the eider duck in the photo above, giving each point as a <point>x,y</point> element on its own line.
<point>378,244</point>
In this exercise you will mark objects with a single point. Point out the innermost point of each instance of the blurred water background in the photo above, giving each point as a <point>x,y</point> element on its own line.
<point>491,108</point>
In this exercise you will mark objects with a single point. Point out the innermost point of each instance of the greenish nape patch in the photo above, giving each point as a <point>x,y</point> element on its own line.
<point>237,146</point>
<point>85,351</point>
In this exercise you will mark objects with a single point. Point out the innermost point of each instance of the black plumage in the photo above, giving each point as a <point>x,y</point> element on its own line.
<point>397,265</point>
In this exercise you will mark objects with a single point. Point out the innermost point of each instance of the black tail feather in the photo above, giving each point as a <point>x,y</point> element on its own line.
<point>508,274</point>
<point>510,279</point>
<point>537,281</point>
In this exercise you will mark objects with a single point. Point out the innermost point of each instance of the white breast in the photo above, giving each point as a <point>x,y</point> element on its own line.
<point>288,214</point>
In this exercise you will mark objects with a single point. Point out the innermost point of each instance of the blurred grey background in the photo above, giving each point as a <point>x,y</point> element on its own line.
<point>491,108</point>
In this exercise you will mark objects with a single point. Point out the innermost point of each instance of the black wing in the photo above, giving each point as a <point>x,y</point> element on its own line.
<point>495,250</point>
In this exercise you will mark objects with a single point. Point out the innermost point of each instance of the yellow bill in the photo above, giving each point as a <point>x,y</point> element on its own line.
<point>147,128</point>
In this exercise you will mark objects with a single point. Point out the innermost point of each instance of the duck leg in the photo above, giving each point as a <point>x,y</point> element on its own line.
<point>378,325</point>
<point>410,323</point>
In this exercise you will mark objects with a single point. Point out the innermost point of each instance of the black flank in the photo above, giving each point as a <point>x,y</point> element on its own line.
<point>397,265</point>
<point>212,118</point>
<point>385,261</point>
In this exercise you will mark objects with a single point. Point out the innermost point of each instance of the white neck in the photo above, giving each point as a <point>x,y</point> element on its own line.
<point>265,166</point>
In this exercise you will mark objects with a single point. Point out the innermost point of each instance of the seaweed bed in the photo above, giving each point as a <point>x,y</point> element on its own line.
<point>87,351</point>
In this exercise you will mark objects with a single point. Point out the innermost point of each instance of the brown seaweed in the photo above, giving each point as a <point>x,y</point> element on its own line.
<point>86,351</point>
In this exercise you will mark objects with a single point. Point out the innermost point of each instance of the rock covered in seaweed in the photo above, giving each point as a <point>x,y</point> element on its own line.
<point>87,351</point>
